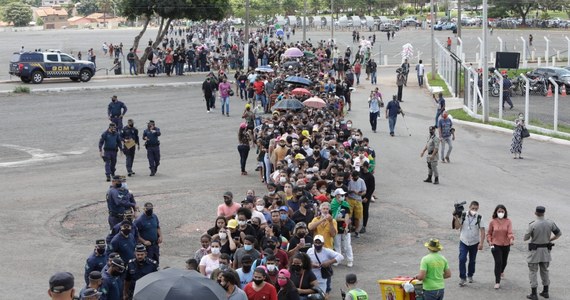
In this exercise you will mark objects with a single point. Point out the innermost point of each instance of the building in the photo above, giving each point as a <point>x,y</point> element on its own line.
<point>53,17</point>
<point>48,3</point>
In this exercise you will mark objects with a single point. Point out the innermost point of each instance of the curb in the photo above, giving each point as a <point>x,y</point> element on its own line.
<point>110,87</point>
<point>533,136</point>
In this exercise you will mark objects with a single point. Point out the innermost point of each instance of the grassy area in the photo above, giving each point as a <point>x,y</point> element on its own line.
<point>460,114</point>
<point>438,81</point>
<point>21,90</point>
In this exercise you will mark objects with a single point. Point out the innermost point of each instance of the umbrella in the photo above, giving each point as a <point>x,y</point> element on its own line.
<point>280,32</point>
<point>300,92</point>
<point>293,52</point>
<point>308,54</point>
<point>265,69</point>
<point>298,80</point>
<point>288,104</point>
<point>293,64</point>
<point>174,284</point>
<point>315,102</point>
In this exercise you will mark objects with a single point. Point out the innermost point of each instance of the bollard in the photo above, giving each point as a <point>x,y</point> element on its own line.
<point>538,61</point>
<point>554,61</point>
<point>558,55</point>
<point>532,55</point>
<point>385,59</point>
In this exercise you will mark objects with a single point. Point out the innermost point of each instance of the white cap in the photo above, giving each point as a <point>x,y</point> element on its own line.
<point>338,191</point>
<point>319,237</point>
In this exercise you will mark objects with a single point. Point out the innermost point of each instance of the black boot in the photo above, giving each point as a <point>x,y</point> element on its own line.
<point>108,178</point>
<point>532,295</point>
<point>436,181</point>
<point>152,171</point>
<point>428,179</point>
<point>544,292</point>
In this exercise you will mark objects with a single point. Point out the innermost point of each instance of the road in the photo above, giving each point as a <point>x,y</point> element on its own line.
<point>53,183</point>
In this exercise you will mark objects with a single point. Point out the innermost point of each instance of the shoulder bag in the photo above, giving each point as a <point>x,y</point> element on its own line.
<point>525,133</point>
<point>325,272</point>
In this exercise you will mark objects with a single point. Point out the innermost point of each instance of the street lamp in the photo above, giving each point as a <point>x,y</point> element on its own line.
<point>432,17</point>
<point>305,21</point>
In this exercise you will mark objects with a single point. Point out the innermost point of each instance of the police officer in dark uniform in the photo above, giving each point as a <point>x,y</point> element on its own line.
<point>130,137</point>
<point>148,228</point>
<point>91,291</point>
<point>137,268</point>
<point>152,144</point>
<point>110,142</point>
<point>541,232</point>
<point>124,242</point>
<point>96,261</point>
<point>118,201</point>
<point>112,288</point>
<point>129,216</point>
<point>116,111</point>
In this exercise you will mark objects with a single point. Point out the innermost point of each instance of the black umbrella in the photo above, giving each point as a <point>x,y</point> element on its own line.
<point>288,104</point>
<point>175,284</point>
<point>298,80</point>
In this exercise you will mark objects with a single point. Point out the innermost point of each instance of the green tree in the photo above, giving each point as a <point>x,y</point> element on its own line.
<point>88,7</point>
<point>17,13</point>
<point>519,8</point>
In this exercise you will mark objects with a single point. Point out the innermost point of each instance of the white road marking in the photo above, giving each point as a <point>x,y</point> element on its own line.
<point>37,156</point>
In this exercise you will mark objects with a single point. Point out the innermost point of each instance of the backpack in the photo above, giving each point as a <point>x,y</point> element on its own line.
<point>478,223</point>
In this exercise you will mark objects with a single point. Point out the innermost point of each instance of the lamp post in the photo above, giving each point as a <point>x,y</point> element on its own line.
<point>332,22</point>
<point>246,38</point>
<point>305,21</point>
<point>432,40</point>
<point>485,66</point>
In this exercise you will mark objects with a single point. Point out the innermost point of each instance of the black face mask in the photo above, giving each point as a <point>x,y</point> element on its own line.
<point>255,226</point>
<point>246,269</point>
<point>339,182</point>
<point>279,203</point>
<point>257,281</point>
<point>118,185</point>
<point>296,268</point>
<point>271,246</point>
<point>301,234</point>
<point>227,201</point>
<point>115,273</point>
<point>318,247</point>
<point>100,251</point>
<point>126,231</point>
<point>148,212</point>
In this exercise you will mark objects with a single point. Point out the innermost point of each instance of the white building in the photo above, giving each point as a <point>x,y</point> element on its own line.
<point>47,3</point>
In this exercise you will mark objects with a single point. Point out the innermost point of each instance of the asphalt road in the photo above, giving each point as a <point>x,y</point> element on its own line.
<point>53,184</point>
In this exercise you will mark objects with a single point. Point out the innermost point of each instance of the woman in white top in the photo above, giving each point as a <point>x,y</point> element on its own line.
<point>210,262</point>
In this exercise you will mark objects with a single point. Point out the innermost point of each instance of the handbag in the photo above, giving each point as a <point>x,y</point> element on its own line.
<point>325,272</point>
<point>524,133</point>
<point>231,92</point>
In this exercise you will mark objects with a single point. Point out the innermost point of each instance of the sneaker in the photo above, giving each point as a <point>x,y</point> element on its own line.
<point>470,279</point>
<point>357,235</point>
<point>462,282</point>
<point>497,286</point>
<point>447,158</point>
<point>349,264</point>
<point>363,229</point>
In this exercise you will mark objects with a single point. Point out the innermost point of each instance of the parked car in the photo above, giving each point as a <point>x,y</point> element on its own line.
<point>35,66</point>
<point>560,75</point>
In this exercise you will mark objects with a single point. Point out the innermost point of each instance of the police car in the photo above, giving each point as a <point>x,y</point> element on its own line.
<point>35,66</point>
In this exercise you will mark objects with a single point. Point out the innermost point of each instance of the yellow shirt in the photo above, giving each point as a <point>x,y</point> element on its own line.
<point>324,230</point>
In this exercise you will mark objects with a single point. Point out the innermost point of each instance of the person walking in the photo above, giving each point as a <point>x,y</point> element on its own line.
<point>244,140</point>
<point>440,107</point>
<point>507,84</point>
<point>354,293</point>
<point>373,68</point>
<point>500,238</point>
<point>392,111</point>
<point>405,70</point>
<point>109,144</point>
<point>434,269</point>
<point>432,147</point>
<point>446,135</point>
<point>400,81</point>
<point>517,141</point>
<point>116,110</point>
<point>208,91</point>
<point>286,290</point>
<point>152,145</point>
<point>225,89</point>
<point>130,138</point>
<point>471,240</point>
<point>374,104</point>
<point>540,234</point>
<point>357,71</point>
<point>448,43</point>
<point>420,72</point>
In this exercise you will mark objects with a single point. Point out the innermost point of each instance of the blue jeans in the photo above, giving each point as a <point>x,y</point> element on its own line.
<point>262,99</point>
<point>465,250</point>
<point>132,68</point>
<point>433,295</point>
<point>226,103</point>
<point>420,80</point>
<point>373,79</point>
<point>437,114</point>
<point>357,78</point>
<point>392,123</point>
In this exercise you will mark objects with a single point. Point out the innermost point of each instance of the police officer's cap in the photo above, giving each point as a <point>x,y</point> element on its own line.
<point>126,222</point>
<point>117,261</point>
<point>112,125</point>
<point>91,292</point>
<point>113,255</point>
<point>140,248</point>
<point>95,275</point>
<point>350,278</point>
<point>148,205</point>
<point>61,282</point>
<point>540,209</point>
<point>100,243</point>
<point>117,177</point>
<point>114,97</point>
<point>150,121</point>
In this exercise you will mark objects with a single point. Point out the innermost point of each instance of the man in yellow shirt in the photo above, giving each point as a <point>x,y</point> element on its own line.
<point>324,225</point>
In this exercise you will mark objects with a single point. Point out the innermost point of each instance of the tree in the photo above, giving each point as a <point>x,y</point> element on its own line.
<point>17,13</point>
<point>87,7</point>
<point>520,8</point>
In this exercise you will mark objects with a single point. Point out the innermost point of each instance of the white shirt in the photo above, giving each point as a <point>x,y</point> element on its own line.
<point>255,213</point>
<point>420,69</point>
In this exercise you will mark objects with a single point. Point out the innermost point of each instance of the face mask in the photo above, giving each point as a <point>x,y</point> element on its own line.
<point>283,179</point>
<point>339,182</point>
<point>279,202</point>
<point>247,247</point>
<point>340,197</point>
<point>259,207</point>
<point>126,231</point>
<point>271,192</point>
<point>242,223</point>
<point>283,217</point>
<point>501,215</point>
<point>223,235</point>
<point>215,250</point>
<point>100,251</point>
<point>296,268</point>
<point>306,147</point>
<point>271,268</point>
<point>473,212</point>
<point>224,286</point>
<point>227,201</point>
<point>271,246</point>
<point>301,234</point>
<point>223,267</point>
<point>318,247</point>
<point>246,269</point>
<point>258,281</point>
<point>323,191</point>
<point>309,176</point>
<point>148,212</point>
<point>115,273</point>
<point>349,125</point>
<point>282,282</point>
<point>118,185</point>
<point>124,186</point>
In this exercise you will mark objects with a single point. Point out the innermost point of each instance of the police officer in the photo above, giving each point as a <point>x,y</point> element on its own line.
<point>116,110</point>
<point>91,291</point>
<point>124,242</point>
<point>541,232</point>
<point>118,201</point>
<point>130,138</point>
<point>110,142</point>
<point>61,286</point>
<point>152,144</point>
<point>129,216</point>
<point>137,268</point>
<point>148,228</point>
<point>112,288</point>
<point>432,148</point>
<point>354,293</point>
<point>96,261</point>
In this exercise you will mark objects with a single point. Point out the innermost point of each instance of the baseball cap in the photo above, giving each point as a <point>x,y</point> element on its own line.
<point>95,275</point>
<point>249,199</point>
<point>117,261</point>
<point>319,237</point>
<point>233,223</point>
<point>351,278</point>
<point>91,292</point>
<point>228,194</point>
<point>100,243</point>
<point>301,225</point>
<point>61,282</point>
<point>284,208</point>
<point>140,248</point>
<point>299,156</point>
<point>338,191</point>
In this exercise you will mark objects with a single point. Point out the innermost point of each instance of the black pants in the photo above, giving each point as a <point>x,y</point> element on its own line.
<point>507,98</point>
<point>208,100</point>
<point>243,153</point>
<point>374,120</point>
<point>400,88</point>
<point>365,207</point>
<point>501,255</point>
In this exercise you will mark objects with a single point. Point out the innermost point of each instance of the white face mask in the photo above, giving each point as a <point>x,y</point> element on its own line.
<point>242,223</point>
<point>223,235</point>
<point>473,212</point>
<point>215,250</point>
<point>271,268</point>
<point>259,207</point>
<point>283,179</point>
<point>501,215</point>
